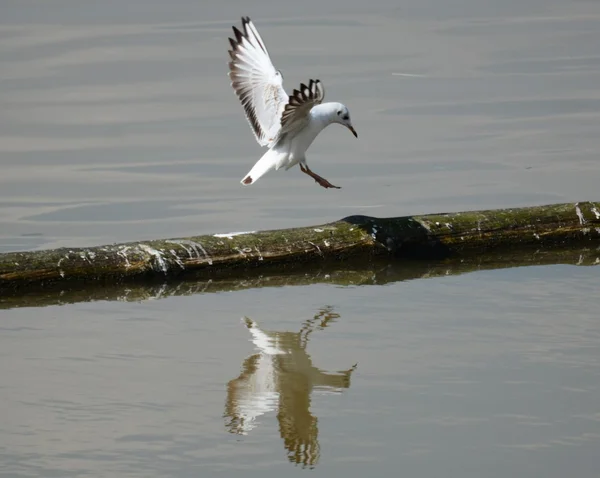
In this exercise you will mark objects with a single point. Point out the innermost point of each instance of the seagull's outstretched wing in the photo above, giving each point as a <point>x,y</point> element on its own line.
<point>257,83</point>
<point>295,113</point>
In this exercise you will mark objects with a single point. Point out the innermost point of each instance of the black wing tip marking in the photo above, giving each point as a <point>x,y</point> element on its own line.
<point>241,35</point>
<point>306,93</point>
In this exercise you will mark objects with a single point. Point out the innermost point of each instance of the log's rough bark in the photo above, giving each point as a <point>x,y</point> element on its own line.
<point>428,236</point>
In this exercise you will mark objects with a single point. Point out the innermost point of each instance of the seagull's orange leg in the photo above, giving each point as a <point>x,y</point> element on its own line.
<point>322,181</point>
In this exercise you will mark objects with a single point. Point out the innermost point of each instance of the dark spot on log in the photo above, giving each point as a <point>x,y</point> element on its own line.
<point>390,244</point>
<point>248,180</point>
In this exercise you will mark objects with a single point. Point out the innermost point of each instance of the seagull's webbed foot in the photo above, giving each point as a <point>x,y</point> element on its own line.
<point>321,181</point>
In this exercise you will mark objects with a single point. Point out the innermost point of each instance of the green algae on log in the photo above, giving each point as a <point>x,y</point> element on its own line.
<point>427,236</point>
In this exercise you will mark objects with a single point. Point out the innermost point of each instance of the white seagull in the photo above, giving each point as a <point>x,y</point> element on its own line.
<point>286,125</point>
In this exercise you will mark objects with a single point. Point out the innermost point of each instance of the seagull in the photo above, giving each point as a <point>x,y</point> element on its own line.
<point>287,125</point>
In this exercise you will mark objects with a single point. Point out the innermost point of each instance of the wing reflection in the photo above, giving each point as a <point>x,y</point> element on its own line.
<point>281,376</point>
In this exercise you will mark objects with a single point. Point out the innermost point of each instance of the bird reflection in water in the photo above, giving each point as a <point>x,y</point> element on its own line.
<point>281,376</point>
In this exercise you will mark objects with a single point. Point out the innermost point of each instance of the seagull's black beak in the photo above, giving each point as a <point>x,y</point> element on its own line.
<point>353,131</point>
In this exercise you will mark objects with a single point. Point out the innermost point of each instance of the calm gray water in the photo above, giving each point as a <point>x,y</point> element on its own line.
<point>493,373</point>
<point>117,122</point>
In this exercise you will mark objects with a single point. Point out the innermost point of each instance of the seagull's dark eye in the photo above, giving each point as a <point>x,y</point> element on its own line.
<point>339,112</point>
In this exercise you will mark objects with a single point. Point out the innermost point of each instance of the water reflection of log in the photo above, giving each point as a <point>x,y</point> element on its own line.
<point>211,256</point>
<point>372,272</point>
<point>282,377</point>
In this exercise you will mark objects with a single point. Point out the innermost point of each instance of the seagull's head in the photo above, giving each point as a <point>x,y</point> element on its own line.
<point>342,116</point>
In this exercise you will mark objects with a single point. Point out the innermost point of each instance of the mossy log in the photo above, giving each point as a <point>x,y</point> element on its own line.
<point>427,236</point>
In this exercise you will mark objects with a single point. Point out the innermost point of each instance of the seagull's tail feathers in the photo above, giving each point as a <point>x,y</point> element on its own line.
<point>268,162</point>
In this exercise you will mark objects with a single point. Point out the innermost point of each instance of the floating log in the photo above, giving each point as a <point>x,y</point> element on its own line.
<point>231,254</point>
<point>353,272</point>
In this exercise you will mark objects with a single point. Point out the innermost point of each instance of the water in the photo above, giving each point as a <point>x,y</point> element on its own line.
<point>117,123</point>
<point>457,375</point>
